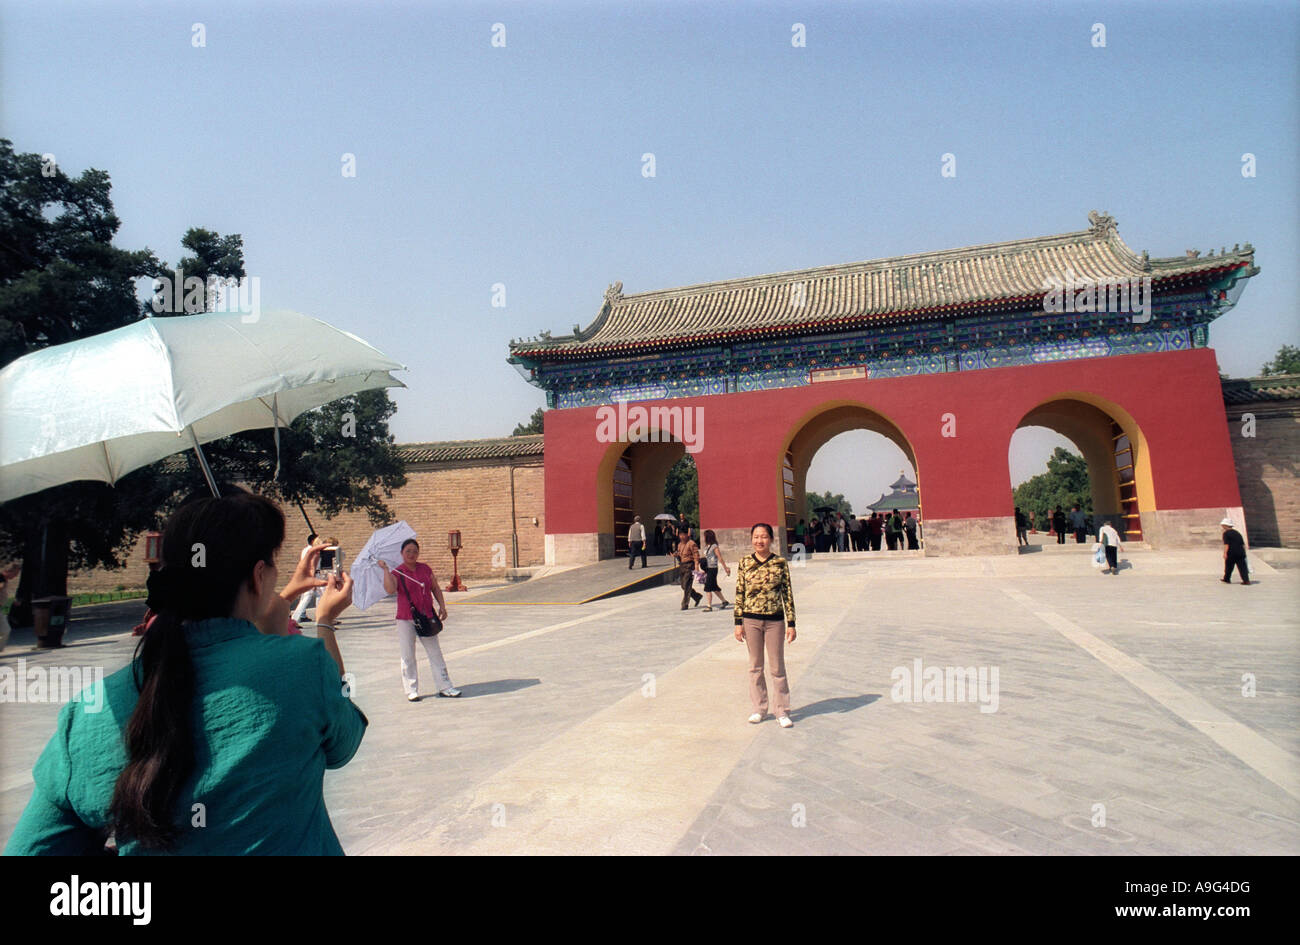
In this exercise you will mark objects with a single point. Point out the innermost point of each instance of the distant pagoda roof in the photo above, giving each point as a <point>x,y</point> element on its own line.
<point>902,501</point>
<point>902,484</point>
<point>853,295</point>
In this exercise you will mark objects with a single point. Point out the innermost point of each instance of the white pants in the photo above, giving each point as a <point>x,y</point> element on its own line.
<point>308,599</point>
<point>406,637</point>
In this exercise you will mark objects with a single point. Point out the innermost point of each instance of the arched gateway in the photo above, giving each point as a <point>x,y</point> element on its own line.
<point>945,353</point>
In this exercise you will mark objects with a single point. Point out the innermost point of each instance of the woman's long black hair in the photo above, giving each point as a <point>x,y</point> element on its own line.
<point>210,548</point>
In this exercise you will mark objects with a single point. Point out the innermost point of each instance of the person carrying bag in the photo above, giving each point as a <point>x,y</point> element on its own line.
<point>409,617</point>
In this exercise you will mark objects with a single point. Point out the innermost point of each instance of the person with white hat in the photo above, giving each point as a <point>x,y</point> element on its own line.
<point>1234,553</point>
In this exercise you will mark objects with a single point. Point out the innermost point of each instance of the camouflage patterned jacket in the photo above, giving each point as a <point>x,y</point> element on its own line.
<point>763,589</point>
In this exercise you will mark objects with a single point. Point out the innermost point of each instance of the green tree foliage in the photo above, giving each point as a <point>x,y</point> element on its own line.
<point>61,278</point>
<point>534,425</point>
<point>682,490</point>
<point>816,500</point>
<point>1065,484</point>
<point>1286,362</point>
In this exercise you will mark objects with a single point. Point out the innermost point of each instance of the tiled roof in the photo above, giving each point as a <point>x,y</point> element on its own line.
<point>1253,390</point>
<point>855,294</point>
<point>503,447</point>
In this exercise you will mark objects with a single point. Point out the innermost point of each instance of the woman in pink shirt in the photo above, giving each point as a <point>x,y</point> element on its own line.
<point>418,587</point>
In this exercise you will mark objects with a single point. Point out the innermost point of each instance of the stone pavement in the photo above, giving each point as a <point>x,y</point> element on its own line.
<point>1116,723</point>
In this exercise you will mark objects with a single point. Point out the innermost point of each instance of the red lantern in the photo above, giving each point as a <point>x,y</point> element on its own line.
<point>454,546</point>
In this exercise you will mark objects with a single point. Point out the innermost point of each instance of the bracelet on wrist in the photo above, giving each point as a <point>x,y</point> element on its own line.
<point>325,626</point>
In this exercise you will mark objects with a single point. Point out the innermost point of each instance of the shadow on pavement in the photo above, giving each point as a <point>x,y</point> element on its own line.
<point>839,704</point>
<point>496,687</point>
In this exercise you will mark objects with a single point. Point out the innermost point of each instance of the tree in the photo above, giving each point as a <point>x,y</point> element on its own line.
<point>61,278</point>
<point>534,425</point>
<point>816,500</point>
<point>1286,362</point>
<point>1065,484</point>
<point>682,490</point>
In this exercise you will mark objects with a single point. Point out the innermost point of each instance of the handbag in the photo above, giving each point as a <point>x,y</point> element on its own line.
<point>699,577</point>
<point>425,625</point>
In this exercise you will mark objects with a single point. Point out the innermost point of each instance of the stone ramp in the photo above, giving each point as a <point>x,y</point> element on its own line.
<point>585,584</point>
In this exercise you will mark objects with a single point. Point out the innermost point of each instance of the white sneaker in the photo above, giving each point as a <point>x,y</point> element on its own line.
<point>412,697</point>
<point>756,718</point>
<point>449,693</point>
<point>784,721</point>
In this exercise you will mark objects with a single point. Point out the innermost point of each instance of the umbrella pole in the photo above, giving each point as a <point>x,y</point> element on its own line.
<point>310,527</point>
<point>203,461</point>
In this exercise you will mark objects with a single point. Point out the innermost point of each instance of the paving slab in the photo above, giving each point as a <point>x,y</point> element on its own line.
<point>619,726</point>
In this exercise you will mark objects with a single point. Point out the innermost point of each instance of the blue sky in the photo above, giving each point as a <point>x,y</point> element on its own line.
<point>522,165</point>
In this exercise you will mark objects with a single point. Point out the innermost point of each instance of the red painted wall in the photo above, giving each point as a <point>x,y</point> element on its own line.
<point>1174,397</point>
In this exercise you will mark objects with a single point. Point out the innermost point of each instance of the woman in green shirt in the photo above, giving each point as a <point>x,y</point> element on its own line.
<point>216,738</point>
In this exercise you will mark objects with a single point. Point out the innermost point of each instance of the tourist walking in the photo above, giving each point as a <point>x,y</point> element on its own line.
<point>1022,526</point>
<point>219,710</point>
<point>1058,525</point>
<point>909,528</point>
<point>712,561</point>
<point>874,528</point>
<point>1078,522</point>
<point>1234,553</point>
<point>801,533</point>
<point>1110,544</point>
<point>687,554</point>
<point>894,532</point>
<point>764,617</point>
<point>418,588</point>
<point>636,542</point>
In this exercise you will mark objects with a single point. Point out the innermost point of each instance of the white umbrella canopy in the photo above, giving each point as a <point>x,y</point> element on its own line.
<point>367,578</point>
<point>103,406</point>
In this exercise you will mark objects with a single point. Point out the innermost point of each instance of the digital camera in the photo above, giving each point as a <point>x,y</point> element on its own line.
<point>331,561</point>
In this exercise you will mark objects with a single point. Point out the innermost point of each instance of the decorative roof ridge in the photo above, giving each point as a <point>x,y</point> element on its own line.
<point>1103,229</point>
<point>1263,381</point>
<point>522,440</point>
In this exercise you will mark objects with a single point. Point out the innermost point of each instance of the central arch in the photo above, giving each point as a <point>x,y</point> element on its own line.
<point>813,430</point>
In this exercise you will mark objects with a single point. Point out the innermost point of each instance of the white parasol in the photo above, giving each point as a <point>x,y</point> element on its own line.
<point>103,406</point>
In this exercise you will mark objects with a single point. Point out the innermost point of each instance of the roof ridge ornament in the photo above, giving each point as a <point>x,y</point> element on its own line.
<point>614,293</point>
<point>1103,224</point>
